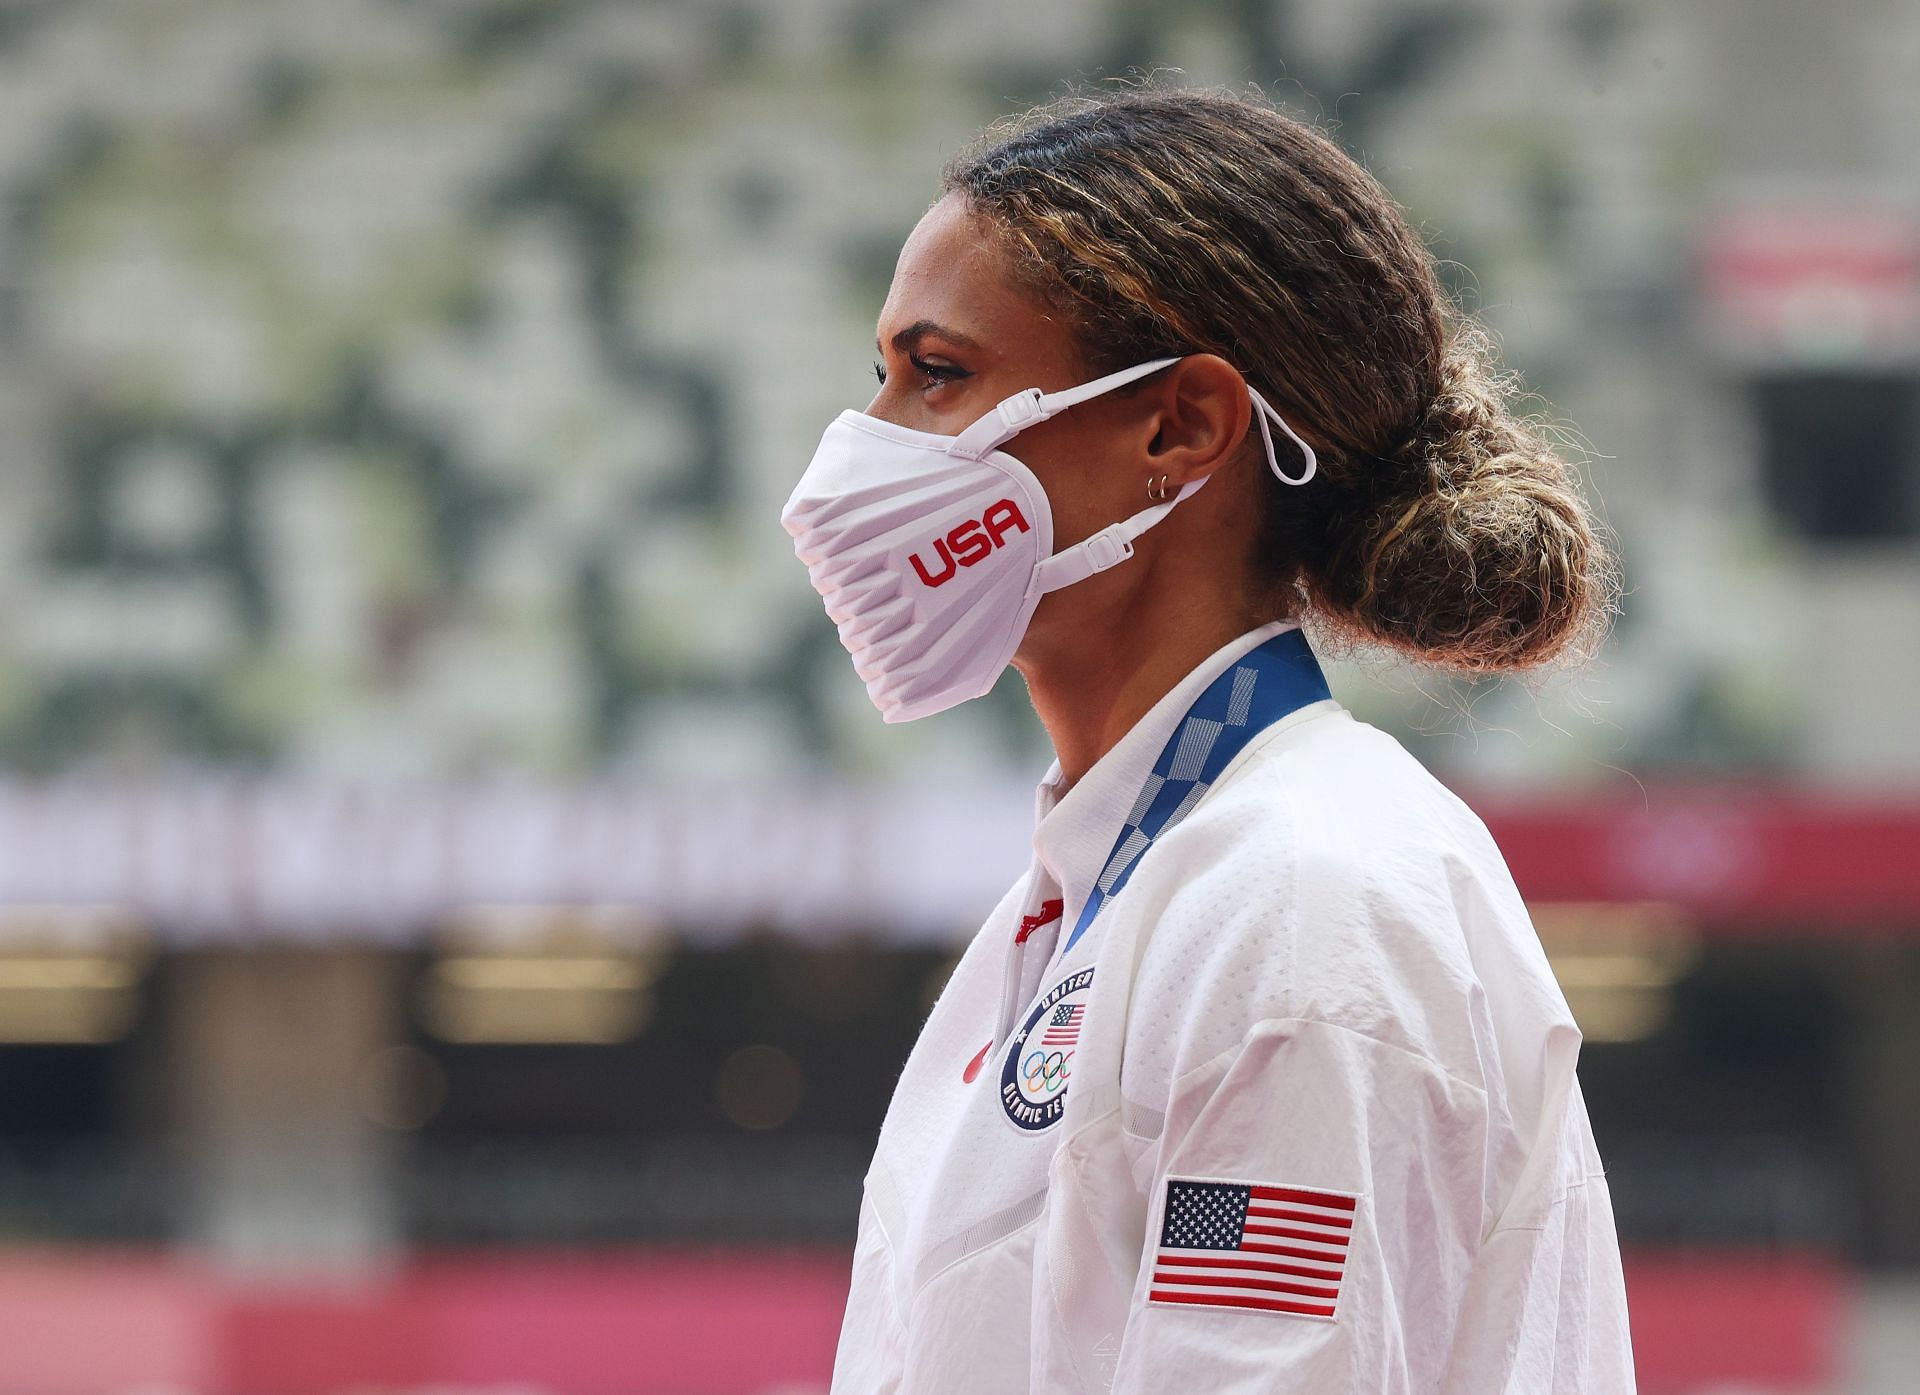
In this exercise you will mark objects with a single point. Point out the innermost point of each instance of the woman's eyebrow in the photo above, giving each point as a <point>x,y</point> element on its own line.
<point>909,338</point>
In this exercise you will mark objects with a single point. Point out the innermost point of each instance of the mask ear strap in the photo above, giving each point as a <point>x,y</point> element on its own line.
<point>1263,412</point>
<point>1012,416</point>
<point>1112,545</point>
<point>1030,405</point>
<point>1054,403</point>
<point>1109,547</point>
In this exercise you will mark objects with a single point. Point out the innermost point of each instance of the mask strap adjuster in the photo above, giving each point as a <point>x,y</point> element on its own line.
<point>1023,409</point>
<point>1108,548</point>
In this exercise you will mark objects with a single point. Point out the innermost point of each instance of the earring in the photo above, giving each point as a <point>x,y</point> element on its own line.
<point>1157,490</point>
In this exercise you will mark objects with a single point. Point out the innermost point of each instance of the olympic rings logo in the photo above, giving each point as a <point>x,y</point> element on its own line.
<point>1046,1072</point>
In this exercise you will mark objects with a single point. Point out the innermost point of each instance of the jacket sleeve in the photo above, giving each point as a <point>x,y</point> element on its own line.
<point>1315,1206</point>
<point>869,1359</point>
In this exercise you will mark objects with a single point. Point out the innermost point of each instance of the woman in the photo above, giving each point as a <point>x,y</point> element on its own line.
<point>1258,1080</point>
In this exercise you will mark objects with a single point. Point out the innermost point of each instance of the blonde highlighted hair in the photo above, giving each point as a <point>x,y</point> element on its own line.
<point>1442,522</point>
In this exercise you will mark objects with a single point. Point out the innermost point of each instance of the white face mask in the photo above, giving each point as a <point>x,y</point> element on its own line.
<point>932,551</point>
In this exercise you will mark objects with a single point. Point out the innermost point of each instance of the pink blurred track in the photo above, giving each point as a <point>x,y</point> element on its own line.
<point>688,1322</point>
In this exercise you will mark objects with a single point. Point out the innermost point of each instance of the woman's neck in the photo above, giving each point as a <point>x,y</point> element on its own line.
<point>1091,684</point>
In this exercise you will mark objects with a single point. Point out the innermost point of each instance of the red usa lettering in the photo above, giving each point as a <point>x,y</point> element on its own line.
<point>972,542</point>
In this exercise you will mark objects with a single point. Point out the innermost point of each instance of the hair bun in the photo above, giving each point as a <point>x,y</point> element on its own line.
<point>1479,553</point>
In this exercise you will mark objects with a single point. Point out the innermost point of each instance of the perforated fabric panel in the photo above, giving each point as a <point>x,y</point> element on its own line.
<point>1333,878</point>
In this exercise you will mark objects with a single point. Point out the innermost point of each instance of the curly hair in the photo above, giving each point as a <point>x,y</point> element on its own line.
<point>1442,522</point>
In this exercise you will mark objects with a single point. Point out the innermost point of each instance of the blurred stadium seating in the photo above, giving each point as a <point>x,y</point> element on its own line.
<point>460,919</point>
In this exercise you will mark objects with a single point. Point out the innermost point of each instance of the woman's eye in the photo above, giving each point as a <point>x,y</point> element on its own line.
<point>932,375</point>
<point>937,373</point>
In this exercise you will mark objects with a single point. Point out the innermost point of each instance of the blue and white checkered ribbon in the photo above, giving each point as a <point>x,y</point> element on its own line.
<point>1273,681</point>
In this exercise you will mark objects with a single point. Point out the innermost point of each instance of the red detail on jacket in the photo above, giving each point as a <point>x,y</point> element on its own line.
<point>1050,911</point>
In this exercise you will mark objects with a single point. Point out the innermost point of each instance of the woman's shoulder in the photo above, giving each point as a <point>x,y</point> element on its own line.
<point>1345,788</point>
<point>1332,809</point>
<point>1332,878</point>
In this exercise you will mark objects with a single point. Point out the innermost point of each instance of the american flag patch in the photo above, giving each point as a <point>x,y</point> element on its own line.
<point>1241,1245</point>
<point>1063,1028</point>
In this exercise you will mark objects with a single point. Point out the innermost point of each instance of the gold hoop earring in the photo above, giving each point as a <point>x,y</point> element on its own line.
<point>1157,490</point>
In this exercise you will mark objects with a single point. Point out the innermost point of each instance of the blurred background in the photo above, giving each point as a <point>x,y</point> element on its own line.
<point>460,919</point>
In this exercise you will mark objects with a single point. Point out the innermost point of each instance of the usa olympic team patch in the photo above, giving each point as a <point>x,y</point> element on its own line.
<point>1039,1064</point>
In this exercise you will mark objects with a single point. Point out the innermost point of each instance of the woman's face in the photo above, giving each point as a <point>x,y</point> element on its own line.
<point>956,337</point>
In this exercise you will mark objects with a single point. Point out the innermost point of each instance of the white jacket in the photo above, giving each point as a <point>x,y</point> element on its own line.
<point>1298,1113</point>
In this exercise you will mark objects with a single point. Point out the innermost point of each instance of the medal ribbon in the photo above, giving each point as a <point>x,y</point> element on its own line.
<point>1266,684</point>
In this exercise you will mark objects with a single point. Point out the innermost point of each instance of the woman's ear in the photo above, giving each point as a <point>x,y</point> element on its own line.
<point>1201,415</point>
